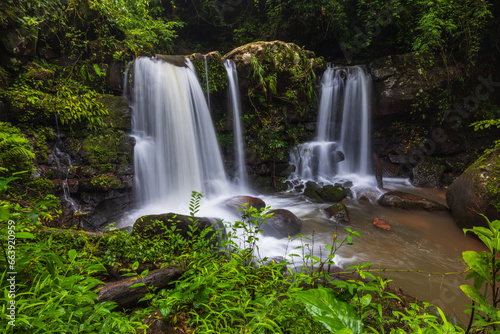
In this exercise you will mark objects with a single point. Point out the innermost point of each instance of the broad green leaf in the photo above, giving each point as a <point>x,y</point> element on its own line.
<point>96,267</point>
<point>478,263</point>
<point>474,294</point>
<point>24,235</point>
<point>135,265</point>
<point>165,310</point>
<point>137,285</point>
<point>335,315</point>
<point>72,254</point>
<point>365,300</point>
<point>4,213</point>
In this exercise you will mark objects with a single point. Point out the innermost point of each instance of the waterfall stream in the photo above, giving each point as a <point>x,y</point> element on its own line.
<point>205,62</point>
<point>176,148</point>
<point>341,150</point>
<point>177,151</point>
<point>241,173</point>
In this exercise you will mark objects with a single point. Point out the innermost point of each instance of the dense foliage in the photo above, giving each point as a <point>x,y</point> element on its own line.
<point>230,290</point>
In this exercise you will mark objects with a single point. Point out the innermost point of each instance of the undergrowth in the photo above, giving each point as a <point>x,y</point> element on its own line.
<point>226,287</point>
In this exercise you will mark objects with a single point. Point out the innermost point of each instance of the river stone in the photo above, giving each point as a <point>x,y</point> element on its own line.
<point>331,193</point>
<point>402,200</point>
<point>312,190</point>
<point>383,224</point>
<point>236,203</point>
<point>283,224</point>
<point>154,225</point>
<point>477,192</point>
<point>338,213</point>
<point>427,174</point>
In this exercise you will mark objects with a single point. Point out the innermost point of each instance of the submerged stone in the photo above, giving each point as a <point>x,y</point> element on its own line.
<point>402,200</point>
<point>383,224</point>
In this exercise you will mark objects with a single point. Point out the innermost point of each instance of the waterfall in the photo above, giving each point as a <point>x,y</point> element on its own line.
<point>176,148</point>
<point>342,145</point>
<point>206,81</point>
<point>355,132</point>
<point>239,153</point>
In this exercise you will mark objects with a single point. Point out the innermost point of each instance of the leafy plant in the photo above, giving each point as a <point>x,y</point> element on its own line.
<point>484,269</point>
<point>16,151</point>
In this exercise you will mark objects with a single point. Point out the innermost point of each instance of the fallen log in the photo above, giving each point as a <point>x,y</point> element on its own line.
<point>124,296</point>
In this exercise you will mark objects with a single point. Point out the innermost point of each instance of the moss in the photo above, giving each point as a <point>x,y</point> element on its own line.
<point>41,185</point>
<point>217,75</point>
<point>331,193</point>
<point>41,136</point>
<point>493,180</point>
<point>106,182</point>
<point>112,146</point>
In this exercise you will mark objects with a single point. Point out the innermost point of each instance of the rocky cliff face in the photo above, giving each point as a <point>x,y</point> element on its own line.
<point>399,82</point>
<point>93,175</point>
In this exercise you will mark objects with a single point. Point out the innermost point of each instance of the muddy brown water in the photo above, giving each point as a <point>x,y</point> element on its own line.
<point>428,245</point>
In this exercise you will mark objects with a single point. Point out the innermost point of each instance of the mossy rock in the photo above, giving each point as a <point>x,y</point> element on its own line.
<point>312,191</point>
<point>217,74</point>
<point>477,192</point>
<point>112,146</point>
<point>338,213</point>
<point>120,114</point>
<point>104,183</point>
<point>428,174</point>
<point>330,193</point>
<point>157,225</point>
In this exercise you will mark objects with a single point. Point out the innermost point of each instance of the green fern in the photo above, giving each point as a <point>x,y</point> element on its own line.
<point>15,150</point>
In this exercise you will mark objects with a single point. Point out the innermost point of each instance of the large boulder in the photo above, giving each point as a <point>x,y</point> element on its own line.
<point>236,203</point>
<point>283,224</point>
<point>154,225</point>
<point>402,200</point>
<point>476,192</point>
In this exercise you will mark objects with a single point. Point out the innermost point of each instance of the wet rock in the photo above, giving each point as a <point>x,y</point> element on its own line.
<point>283,224</point>
<point>312,190</point>
<point>402,200</point>
<point>174,60</point>
<point>328,193</point>
<point>157,225</point>
<point>427,175</point>
<point>477,192</point>
<point>338,213</point>
<point>331,193</point>
<point>236,203</point>
<point>383,224</point>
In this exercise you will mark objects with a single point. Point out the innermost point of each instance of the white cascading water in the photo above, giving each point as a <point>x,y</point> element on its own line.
<point>176,148</point>
<point>241,172</point>
<point>342,146</point>
<point>205,62</point>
